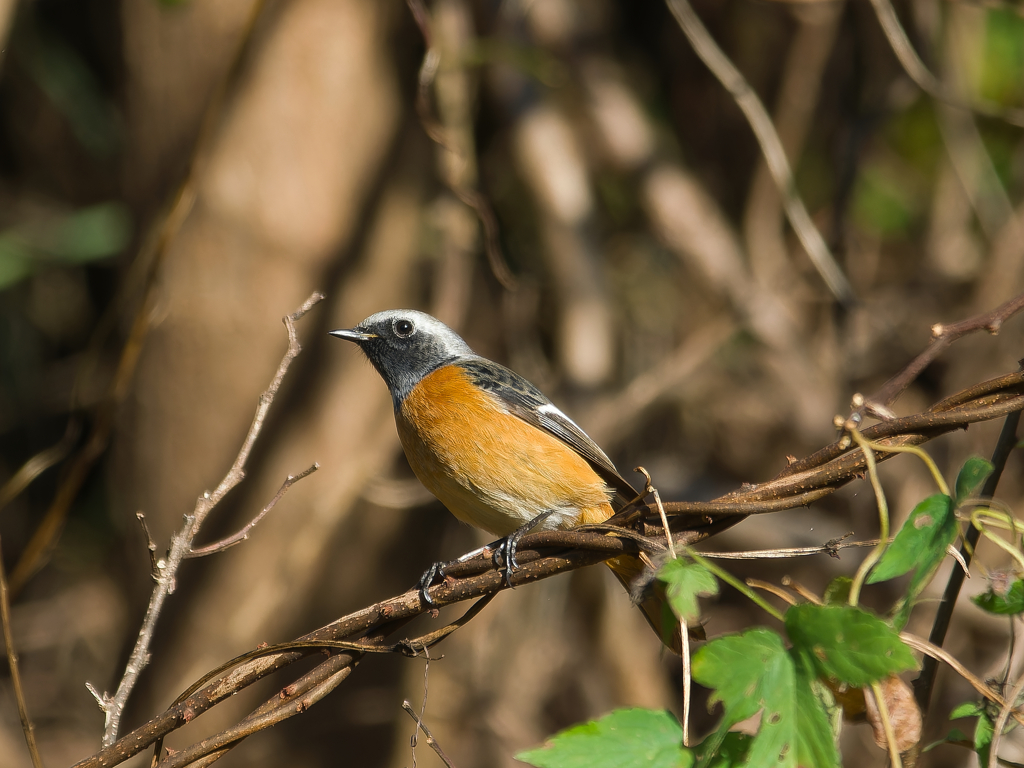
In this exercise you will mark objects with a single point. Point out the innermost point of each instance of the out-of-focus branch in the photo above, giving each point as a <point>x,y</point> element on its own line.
<point>761,123</point>
<point>12,663</point>
<point>545,554</point>
<point>181,542</point>
<point>921,75</point>
<point>942,337</point>
<point>467,192</point>
<point>141,278</point>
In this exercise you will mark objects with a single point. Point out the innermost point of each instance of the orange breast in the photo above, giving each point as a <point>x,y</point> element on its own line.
<point>490,468</point>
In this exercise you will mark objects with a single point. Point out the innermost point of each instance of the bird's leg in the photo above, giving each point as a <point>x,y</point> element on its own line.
<point>505,549</point>
<point>437,569</point>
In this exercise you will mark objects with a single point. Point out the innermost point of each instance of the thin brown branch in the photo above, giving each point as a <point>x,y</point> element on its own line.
<point>921,75</point>
<point>548,553</point>
<point>942,337</point>
<point>181,542</point>
<point>747,100</point>
<point>12,661</point>
<point>39,463</point>
<point>238,537</point>
<point>431,741</point>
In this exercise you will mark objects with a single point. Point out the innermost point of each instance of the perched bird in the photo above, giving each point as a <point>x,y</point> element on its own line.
<point>487,443</point>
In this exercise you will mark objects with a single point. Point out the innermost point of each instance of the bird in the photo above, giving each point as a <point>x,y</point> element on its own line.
<point>490,445</point>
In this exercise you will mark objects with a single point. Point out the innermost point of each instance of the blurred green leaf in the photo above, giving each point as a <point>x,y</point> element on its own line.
<point>88,234</point>
<point>1008,604</point>
<point>838,590</point>
<point>847,644</point>
<point>882,203</point>
<point>625,738</point>
<point>922,541</point>
<point>15,260</point>
<point>967,709</point>
<point>686,581</point>
<point>1001,76</point>
<point>974,472</point>
<point>72,89</point>
<point>753,672</point>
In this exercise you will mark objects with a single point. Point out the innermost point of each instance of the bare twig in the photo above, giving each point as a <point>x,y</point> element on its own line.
<point>243,534</point>
<point>771,146</point>
<point>942,337</point>
<point>1000,723</point>
<point>12,662</point>
<point>921,75</point>
<point>181,542</point>
<point>431,741</point>
<point>154,564</point>
<point>932,651</point>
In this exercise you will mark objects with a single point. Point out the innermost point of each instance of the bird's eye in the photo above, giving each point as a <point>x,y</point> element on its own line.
<point>403,328</point>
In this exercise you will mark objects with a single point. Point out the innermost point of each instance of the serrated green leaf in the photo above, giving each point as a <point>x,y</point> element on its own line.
<point>731,752</point>
<point>847,643</point>
<point>972,474</point>
<point>753,672</point>
<point>838,590</point>
<point>921,542</point>
<point>625,738</point>
<point>1008,604</point>
<point>685,581</point>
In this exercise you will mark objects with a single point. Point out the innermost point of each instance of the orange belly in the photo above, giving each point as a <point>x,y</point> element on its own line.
<point>490,468</point>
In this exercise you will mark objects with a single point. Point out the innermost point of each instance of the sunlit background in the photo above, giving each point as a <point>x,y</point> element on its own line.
<point>177,176</point>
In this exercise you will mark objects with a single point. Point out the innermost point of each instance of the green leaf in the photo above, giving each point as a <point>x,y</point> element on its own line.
<point>1008,604</point>
<point>686,581</point>
<point>973,473</point>
<point>921,542</point>
<point>15,260</point>
<point>847,643</point>
<point>731,752</point>
<point>967,709</point>
<point>88,234</point>
<point>625,738</point>
<point>983,737</point>
<point>753,672</point>
<point>838,590</point>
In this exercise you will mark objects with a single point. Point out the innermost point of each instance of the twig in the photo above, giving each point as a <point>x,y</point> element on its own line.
<point>12,662</point>
<point>771,146</point>
<point>932,651</point>
<point>181,542</point>
<point>829,548</point>
<point>154,564</point>
<point>890,734</point>
<point>431,741</point>
<point>926,680</point>
<point>942,337</point>
<point>243,534</point>
<point>39,463</point>
<point>921,75</point>
<point>566,551</point>
<point>1000,723</point>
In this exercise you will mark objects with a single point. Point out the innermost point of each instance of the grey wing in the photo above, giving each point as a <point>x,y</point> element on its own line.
<point>528,403</point>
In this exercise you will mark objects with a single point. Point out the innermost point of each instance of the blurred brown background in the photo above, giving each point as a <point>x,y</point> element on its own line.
<point>661,299</point>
